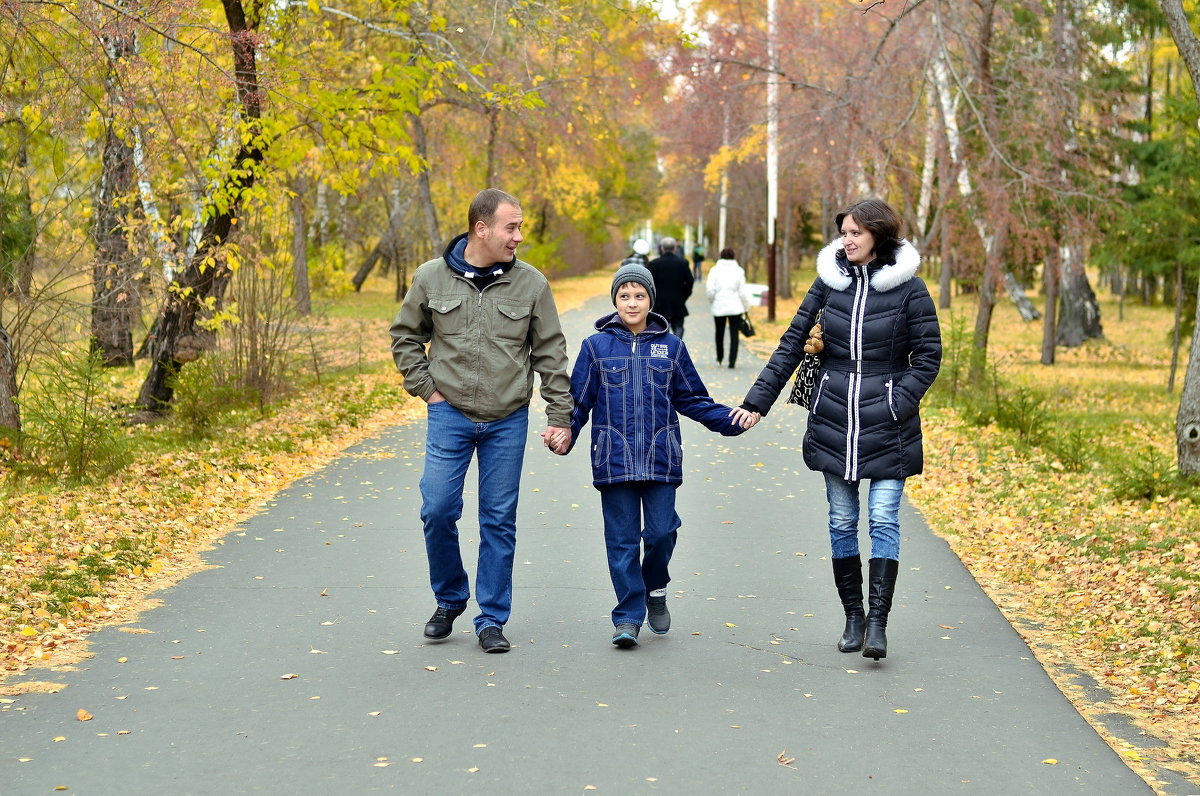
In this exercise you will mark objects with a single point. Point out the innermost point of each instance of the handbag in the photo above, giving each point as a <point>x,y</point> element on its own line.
<point>747,328</point>
<point>806,375</point>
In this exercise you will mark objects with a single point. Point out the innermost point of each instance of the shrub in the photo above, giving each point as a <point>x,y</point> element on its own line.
<point>70,425</point>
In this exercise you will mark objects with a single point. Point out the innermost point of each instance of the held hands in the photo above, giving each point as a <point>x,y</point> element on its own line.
<point>557,439</point>
<point>745,418</point>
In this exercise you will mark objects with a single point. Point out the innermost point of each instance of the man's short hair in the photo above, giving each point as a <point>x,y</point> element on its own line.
<point>484,205</point>
<point>667,245</point>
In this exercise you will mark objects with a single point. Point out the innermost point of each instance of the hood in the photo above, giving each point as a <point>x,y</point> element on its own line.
<point>454,255</point>
<point>655,324</point>
<point>833,269</point>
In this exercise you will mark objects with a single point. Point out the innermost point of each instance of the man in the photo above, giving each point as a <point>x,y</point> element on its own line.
<point>490,322</point>
<point>673,283</point>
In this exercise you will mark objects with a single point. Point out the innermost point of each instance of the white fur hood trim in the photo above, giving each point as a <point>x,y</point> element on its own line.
<point>908,260</point>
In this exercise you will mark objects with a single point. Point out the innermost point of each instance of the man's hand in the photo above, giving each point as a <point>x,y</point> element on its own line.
<point>745,418</point>
<point>437,397</point>
<point>557,439</point>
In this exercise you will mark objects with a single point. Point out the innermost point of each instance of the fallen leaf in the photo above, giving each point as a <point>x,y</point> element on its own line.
<point>24,759</point>
<point>730,624</point>
<point>375,713</point>
<point>122,660</point>
<point>899,710</point>
<point>431,668</point>
<point>418,759</point>
<point>390,652</point>
<point>288,676</point>
<point>472,769</point>
<point>60,738</point>
<point>1050,761</point>
<point>83,715</point>
<point>324,593</point>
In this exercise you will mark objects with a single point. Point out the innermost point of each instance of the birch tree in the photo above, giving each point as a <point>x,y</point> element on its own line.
<point>1187,420</point>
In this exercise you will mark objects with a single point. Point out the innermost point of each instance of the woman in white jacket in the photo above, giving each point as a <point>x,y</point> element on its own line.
<point>727,292</point>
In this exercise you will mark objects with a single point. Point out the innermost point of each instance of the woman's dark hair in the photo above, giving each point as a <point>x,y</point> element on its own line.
<point>881,221</point>
<point>727,254</point>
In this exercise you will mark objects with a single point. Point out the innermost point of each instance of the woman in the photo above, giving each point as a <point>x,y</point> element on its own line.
<point>882,352</point>
<point>727,292</point>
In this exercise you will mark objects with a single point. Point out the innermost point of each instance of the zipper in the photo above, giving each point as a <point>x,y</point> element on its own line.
<point>891,407</point>
<point>636,381</point>
<point>820,389</point>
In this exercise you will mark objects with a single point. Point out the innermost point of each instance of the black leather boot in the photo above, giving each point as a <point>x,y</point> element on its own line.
<point>881,579</point>
<point>847,576</point>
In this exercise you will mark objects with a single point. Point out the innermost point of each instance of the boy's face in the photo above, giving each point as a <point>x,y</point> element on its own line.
<point>633,305</point>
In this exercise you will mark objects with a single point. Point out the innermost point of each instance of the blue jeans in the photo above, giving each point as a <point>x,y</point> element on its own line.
<point>450,441</point>
<point>635,514</point>
<point>883,516</point>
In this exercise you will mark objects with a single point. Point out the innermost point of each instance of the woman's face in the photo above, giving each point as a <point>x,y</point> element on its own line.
<point>859,242</point>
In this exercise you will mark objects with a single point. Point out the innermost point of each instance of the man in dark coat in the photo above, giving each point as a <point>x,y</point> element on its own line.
<point>673,282</point>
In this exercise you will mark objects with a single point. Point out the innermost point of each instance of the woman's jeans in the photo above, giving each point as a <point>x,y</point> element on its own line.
<point>635,514</point>
<point>883,516</point>
<point>450,441</point>
<point>734,334</point>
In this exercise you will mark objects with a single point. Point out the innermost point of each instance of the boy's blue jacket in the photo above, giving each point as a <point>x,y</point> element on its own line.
<point>633,385</point>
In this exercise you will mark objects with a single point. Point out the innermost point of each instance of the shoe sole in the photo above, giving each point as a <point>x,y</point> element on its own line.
<point>625,641</point>
<point>495,650</point>
<point>658,632</point>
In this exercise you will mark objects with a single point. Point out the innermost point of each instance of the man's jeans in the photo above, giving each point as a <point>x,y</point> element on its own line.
<point>451,439</point>
<point>883,516</point>
<point>637,513</point>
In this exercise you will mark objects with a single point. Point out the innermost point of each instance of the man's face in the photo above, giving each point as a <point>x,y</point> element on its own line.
<point>501,238</point>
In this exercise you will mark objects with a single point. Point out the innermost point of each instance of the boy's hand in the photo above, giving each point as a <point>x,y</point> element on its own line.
<point>745,418</point>
<point>557,439</point>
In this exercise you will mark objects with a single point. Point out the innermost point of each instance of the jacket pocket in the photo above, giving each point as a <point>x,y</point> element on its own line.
<point>512,321</point>
<point>660,375</point>
<point>614,375</point>
<point>449,316</point>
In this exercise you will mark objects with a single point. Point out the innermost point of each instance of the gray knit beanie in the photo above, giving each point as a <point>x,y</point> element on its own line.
<point>633,272</point>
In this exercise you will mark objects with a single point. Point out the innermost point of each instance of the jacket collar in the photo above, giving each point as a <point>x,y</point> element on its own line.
<point>833,271</point>
<point>655,325</point>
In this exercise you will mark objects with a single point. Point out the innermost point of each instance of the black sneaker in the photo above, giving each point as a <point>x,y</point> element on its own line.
<point>625,635</point>
<point>492,639</point>
<point>657,615</point>
<point>441,624</point>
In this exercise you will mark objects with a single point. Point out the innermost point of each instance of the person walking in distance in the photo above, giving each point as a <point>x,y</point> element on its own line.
<point>729,297</point>
<point>882,352</point>
<point>673,283</point>
<point>638,255</point>
<point>475,326</point>
<point>631,378</point>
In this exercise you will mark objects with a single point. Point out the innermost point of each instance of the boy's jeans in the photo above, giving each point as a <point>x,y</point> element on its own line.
<point>637,513</point>
<point>451,439</point>
<point>883,516</point>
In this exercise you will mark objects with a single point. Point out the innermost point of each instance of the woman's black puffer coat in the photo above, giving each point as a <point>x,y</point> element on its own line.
<point>882,352</point>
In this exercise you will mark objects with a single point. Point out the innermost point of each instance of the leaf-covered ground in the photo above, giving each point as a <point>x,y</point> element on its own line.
<point>1102,588</point>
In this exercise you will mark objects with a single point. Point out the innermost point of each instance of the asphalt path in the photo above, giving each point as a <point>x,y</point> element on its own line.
<point>296,665</point>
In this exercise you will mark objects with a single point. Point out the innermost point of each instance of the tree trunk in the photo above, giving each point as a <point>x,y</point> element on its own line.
<point>1050,279</point>
<point>300,249</point>
<point>1185,38</point>
<point>1187,420</point>
<point>113,273</point>
<point>996,250</point>
<point>424,192</point>
<point>10,413</point>
<point>1079,315</point>
<point>204,276</point>
<point>388,247</point>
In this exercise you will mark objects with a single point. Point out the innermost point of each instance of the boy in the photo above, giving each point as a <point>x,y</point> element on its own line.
<point>633,375</point>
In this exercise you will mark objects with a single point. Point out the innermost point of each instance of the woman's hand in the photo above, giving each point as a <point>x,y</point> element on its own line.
<point>745,418</point>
